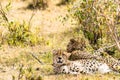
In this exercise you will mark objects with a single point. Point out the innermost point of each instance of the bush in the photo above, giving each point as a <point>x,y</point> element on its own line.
<point>20,34</point>
<point>38,4</point>
<point>94,18</point>
<point>64,2</point>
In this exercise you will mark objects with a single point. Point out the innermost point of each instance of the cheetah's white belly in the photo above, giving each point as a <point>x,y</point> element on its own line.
<point>104,68</point>
<point>77,68</point>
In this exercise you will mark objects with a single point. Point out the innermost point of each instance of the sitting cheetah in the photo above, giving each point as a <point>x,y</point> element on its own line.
<point>61,64</point>
<point>74,46</point>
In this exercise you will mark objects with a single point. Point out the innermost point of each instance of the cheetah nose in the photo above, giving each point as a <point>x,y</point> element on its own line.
<point>59,58</point>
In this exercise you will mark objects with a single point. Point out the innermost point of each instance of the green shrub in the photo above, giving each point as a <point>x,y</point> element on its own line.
<point>20,34</point>
<point>28,74</point>
<point>93,17</point>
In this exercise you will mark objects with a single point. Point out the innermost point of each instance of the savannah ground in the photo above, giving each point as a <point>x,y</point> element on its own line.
<point>16,63</point>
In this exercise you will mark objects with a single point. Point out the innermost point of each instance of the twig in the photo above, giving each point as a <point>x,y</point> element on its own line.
<point>34,4</point>
<point>111,25</point>
<point>34,56</point>
<point>29,23</point>
<point>3,13</point>
<point>20,72</point>
<point>98,51</point>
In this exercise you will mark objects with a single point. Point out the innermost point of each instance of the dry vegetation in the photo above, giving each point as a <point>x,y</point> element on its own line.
<point>24,29</point>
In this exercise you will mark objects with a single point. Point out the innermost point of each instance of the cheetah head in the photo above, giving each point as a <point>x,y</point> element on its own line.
<point>60,57</point>
<point>74,44</point>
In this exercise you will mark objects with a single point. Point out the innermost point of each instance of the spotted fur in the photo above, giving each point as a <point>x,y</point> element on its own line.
<point>75,48</point>
<point>61,64</point>
<point>76,44</point>
<point>77,55</point>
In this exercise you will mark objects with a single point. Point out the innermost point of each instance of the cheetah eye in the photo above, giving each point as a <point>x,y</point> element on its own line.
<point>63,69</point>
<point>63,55</point>
<point>72,40</point>
<point>68,45</point>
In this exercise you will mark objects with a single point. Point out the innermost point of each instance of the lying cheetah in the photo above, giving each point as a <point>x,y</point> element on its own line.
<point>61,64</point>
<point>77,54</point>
<point>74,46</point>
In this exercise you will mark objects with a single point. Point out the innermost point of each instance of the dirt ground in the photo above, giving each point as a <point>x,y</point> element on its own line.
<point>45,21</point>
<point>48,23</point>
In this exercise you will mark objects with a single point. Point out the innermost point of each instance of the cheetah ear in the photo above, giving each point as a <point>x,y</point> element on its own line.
<point>54,51</point>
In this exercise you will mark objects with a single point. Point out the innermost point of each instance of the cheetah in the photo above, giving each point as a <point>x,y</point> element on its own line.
<point>61,64</point>
<point>76,44</point>
<point>76,53</point>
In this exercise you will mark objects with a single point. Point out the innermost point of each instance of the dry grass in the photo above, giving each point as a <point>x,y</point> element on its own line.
<point>47,24</point>
<point>82,77</point>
